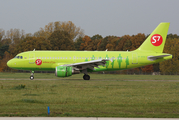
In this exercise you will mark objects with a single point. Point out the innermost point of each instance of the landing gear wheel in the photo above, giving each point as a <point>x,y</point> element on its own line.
<point>31,77</point>
<point>86,77</point>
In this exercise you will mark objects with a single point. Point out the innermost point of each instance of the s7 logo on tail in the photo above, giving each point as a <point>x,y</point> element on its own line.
<point>156,40</point>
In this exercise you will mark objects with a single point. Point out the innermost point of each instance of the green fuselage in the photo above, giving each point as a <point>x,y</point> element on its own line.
<point>119,60</point>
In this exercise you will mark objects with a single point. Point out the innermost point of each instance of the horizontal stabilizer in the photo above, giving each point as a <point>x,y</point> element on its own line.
<point>152,58</point>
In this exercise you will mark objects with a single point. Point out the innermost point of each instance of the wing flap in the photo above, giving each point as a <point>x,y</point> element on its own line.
<point>88,64</point>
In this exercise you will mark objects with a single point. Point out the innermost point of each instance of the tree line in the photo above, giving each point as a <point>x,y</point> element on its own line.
<point>66,36</point>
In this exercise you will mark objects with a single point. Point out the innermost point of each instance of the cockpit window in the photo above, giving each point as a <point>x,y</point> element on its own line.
<point>18,57</point>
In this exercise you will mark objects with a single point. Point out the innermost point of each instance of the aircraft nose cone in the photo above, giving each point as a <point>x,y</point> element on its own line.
<point>9,63</point>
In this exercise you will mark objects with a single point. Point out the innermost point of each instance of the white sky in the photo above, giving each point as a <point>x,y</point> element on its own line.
<point>104,17</point>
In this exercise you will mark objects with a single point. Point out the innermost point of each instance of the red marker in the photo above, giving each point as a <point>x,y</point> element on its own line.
<point>38,62</point>
<point>156,40</point>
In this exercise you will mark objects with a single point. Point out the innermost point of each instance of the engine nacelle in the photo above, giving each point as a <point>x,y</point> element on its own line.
<point>64,71</point>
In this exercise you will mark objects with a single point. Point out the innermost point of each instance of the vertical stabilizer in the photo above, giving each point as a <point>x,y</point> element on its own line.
<point>156,40</point>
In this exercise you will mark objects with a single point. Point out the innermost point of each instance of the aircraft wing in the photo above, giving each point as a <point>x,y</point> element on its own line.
<point>88,64</point>
<point>152,58</point>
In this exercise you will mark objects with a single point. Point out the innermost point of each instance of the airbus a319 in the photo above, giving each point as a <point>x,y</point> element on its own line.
<point>67,63</point>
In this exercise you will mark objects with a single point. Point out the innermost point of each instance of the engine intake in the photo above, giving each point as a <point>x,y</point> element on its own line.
<point>64,71</point>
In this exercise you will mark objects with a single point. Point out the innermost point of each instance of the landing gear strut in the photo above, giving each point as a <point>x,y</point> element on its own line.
<point>86,77</point>
<point>32,75</point>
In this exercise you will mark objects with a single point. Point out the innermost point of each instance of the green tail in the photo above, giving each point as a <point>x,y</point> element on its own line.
<point>156,40</point>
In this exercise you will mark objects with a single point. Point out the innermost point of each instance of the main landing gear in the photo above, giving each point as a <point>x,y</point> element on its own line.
<point>86,77</point>
<point>32,75</point>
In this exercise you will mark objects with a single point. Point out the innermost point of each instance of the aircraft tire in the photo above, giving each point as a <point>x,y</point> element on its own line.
<point>31,77</point>
<point>86,77</point>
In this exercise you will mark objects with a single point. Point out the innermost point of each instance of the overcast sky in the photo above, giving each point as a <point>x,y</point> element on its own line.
<point>104,17</point>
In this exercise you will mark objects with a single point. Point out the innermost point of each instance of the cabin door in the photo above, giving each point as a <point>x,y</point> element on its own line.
<point>74,58</point>
<point>31,58</point>
<point>134,58</point>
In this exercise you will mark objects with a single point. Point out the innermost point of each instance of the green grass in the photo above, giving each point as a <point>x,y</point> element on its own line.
<point>52,76</point>
<point>102,96</point>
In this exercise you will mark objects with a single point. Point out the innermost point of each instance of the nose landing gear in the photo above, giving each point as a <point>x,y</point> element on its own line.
<point>32,75</point>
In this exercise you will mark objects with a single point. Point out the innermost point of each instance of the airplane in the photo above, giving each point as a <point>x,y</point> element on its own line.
<point>67,63</point>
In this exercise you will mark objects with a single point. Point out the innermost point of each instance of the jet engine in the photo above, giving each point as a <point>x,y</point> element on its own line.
<point>65,71</point>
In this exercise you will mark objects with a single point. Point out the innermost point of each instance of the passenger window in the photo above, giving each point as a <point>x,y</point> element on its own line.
<point>21,57</point>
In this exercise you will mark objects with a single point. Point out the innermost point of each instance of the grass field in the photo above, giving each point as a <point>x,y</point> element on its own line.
<point>103,96</point>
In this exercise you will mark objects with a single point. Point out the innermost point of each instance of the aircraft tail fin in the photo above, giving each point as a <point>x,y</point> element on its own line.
<point>156,40</point>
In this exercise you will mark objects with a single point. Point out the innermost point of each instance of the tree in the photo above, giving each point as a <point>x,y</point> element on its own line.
<point>3,62</point>
<point>112,43</point>
<point>61,40</point>
<point>15,36</point>
<point>137,40</point>
<point>121,42</point>
<point>2,33</point>
<point>69,27</point>
<point>147,69</point>
<point>77,43</point>
<point>172,36</point>
<point>86,44</point>
<point>5,41</point>
<point>31,43</point>
<point>96,37</point>
<point>102,44</point>
<point>127,45</point>
<point>3,49</point>
<point>171,66</point>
